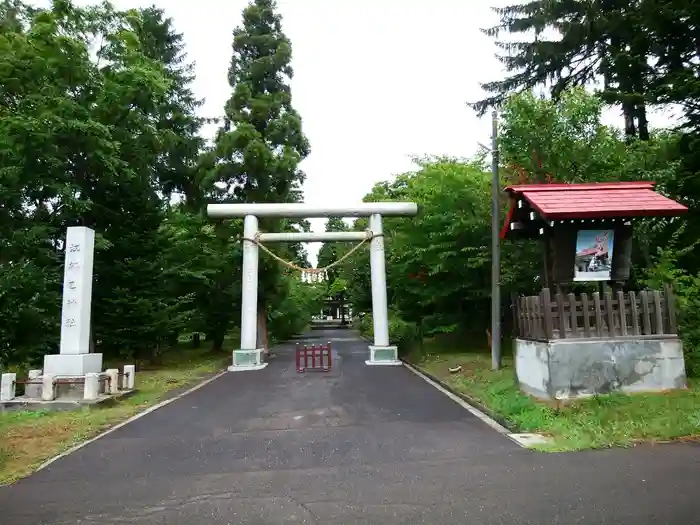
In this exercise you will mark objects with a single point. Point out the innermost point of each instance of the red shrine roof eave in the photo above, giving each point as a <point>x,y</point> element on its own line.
<point>586,186</point>
<point>592,201</point>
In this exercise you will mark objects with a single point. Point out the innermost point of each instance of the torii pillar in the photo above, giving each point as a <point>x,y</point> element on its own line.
<point>249,356</point>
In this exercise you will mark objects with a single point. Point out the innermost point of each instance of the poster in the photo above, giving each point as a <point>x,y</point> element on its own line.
<point>594,253</point>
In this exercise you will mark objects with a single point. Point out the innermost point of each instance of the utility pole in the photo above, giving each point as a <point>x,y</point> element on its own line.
<point>495,250</point>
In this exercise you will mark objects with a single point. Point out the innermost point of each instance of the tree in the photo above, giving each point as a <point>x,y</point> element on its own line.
<point>85,140</point>
<point>261,143</point>
<point>331,252</point>
<point>99,128</point>
<point>438,263</point>
<point>178,169</point>
<point>604,39</point>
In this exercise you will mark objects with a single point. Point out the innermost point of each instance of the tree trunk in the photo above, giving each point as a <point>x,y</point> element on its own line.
<point>217,340</point>
<point>642,122</point>
<point>262,330</point>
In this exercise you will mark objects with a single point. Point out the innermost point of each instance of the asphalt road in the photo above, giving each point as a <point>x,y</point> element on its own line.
<point>359,445</point>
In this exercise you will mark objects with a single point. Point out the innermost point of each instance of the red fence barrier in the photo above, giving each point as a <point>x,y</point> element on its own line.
<point>314,358</point>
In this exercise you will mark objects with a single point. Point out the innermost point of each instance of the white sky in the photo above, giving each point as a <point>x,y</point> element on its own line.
<point>376,81</point>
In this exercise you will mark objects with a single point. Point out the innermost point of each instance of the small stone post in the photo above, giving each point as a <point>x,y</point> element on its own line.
<point>48,390</point>
<point>129,377</point>
<point>7,387</point>
<point>92,386</point>
<point>32,390</point>
<point>113,374</point>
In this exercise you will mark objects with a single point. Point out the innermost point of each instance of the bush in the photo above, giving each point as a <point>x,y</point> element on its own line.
<point>293,315</point>
<point>405,335</point>
<point>687,290</point>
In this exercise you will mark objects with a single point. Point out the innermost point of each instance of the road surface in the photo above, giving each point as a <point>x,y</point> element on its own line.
<point>359,445</point>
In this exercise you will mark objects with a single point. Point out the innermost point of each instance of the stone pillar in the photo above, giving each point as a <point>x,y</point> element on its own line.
<point>92,386</point>
<point>7,386</point>
<point>48,389</point>
<point>381,353</point>
<point>113,384</point>
<point>75,359</point>
<point>249,356</point>
<point>33,390</point>
<point>129,376</point>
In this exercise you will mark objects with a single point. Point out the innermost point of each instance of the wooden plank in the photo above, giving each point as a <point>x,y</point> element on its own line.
<point>646,317</point>
<point>671,309</point>
<point>658,313</point>
<point>562,316</point>
<point>598,314</point>
<point>572,312</point>
<point>526,313</point>
<point>634,312</point>
<point>538,316</point>
<point>623,312</point>
<point>546,299</point>
<point>610,314</point>
<point>533,321</point>
<point>586,310</point>
<point>514,312</point>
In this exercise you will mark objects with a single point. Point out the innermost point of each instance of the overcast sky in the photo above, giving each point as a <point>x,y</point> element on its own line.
<point>376,81</point>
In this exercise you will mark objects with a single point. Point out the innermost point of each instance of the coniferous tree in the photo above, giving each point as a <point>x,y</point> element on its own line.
<point>261,143</point>
<point>604,40</point>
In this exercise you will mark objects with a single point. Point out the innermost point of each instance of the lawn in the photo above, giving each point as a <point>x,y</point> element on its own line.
<point>28,438</point>
<point>603,421</point>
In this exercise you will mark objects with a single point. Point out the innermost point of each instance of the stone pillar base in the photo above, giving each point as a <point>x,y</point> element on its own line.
<point>72,365</point>
<point>383,355</point>
<point>244,360</point>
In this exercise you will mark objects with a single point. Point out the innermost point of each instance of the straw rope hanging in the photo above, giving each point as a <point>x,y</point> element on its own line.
<point>312,275</point>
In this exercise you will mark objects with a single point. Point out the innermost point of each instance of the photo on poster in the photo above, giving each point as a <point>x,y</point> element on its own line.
<point>594,253</point>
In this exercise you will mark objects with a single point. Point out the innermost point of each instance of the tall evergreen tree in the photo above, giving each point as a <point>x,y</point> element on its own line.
<point>261,143</point>
<point>604,40</point>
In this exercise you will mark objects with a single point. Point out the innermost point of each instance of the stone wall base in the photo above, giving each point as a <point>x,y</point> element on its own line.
<point>574,368</point>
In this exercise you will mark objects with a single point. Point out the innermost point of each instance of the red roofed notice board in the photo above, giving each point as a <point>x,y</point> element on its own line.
<point>558,202</point>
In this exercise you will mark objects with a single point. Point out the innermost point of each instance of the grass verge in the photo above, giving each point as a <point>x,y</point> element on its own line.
<point>28,438</point>
<point>599,422</point>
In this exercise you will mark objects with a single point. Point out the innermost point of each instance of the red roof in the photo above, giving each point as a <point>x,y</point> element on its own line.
<point>596,200</point>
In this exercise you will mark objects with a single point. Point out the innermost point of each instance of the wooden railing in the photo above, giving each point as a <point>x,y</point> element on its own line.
<point>545,317</point>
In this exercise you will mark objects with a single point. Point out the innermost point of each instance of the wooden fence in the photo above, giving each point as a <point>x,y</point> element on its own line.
<point>545,317</point>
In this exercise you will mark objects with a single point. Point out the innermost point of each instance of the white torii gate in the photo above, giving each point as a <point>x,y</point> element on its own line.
<point>249,356</point>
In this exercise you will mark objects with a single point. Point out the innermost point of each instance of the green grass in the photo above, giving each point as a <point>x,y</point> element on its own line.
<point>599,422</point>
<point>28,438</point>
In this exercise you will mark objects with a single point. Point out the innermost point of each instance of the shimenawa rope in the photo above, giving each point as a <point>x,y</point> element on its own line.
<point>368,236</point>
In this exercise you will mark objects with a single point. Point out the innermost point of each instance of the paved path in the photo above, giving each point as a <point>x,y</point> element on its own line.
<point>361,445</point>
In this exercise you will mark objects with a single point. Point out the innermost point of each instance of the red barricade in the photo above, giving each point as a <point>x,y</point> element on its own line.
<point>314,358</point>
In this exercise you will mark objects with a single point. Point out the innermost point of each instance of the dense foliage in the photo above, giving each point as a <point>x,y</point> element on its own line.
<point>98,127</point>
<point>439,262</point>
<point>635,56</point>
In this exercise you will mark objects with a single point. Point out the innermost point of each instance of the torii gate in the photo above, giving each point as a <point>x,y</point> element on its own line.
<point>249,356</point>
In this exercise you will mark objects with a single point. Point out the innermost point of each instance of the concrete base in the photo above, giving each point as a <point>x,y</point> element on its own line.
<point>383,356</point>
<point>72,365</point>
<point>245,360</point>
<point>25,403</point>
<point>575,368</point>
